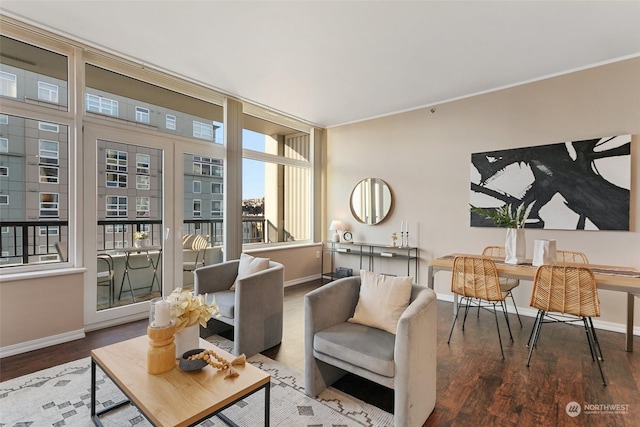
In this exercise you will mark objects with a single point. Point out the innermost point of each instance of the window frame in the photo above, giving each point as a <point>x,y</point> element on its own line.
<point>43,210</point>
<point>118,207</point>
<point>170,122</point>
<point>8,84</point>
<point>50,90</point>
<point>143,115</point>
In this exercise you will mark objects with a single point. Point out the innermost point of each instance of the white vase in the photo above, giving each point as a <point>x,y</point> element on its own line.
<point>187,339</point>
<point>515,246</point>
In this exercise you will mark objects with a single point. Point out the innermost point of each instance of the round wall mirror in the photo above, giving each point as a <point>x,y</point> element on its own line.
<point>371,201</point>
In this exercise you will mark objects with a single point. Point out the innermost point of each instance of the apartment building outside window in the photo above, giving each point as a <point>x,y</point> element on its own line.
<point>4,145</point>
<point>197,187</point>
<point>8,84</point>
<point>197,208</point>
<point>49,152</point>
<point>202,130</point>
<point>216,208</point>
<point>143,207</point>
<point>4,171</point>
<point>48,231</point>
<point>143,164</point>
<point>116,206</point>
<point>143,182</point>
<point>216,188</point>
<point>49,205</point>
<point>49,127</point>
<point>49,175</point>
<point>116,162</point>
<point>48,92</point>
<point>4,199</point>
<point>49,253</point>
<point>99,104</point>
<point>143,115</point>
<point>170,122</point>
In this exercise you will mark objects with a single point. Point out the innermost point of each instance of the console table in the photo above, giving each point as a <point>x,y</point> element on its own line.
<point>368,253</point>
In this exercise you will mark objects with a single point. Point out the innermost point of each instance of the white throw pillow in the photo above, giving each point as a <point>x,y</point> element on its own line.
<point>249,265</point>
<point>382,300</point>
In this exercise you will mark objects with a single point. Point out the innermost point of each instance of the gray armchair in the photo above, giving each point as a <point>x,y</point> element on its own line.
<point>254,309</point>
<point>405,362</point>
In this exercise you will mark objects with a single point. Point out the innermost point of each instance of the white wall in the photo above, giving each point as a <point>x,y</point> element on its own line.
<point>425,158</point>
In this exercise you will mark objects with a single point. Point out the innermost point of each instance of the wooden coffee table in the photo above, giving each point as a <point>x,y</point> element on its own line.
<point>175,398</point>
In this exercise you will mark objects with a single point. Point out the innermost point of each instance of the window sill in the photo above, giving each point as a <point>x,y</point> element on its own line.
<point>33,274</point>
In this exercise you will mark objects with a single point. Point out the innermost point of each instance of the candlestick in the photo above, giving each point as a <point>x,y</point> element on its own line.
<point>161,353</point>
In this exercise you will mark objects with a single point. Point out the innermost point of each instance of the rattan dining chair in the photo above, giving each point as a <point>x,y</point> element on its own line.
<point>476,280</point>
<point>568,290</point>
<point>571,256</point>
<point>507,284</point>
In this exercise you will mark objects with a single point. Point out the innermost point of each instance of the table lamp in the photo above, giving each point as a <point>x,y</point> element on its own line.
<point>335,226</point>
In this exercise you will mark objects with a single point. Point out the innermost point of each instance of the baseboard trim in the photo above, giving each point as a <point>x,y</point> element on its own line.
<point>532,312</point>
<point>302,280</point>
<point>39,343</point>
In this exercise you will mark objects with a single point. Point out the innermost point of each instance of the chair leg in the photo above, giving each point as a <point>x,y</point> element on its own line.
<point>498,328</point>
<point>592,344</point>
<point>535,333</point>
<point>532,330</point>
<point>506,317</point>
<point>454,323</point>
<point>515,307</point>
<point>466,311</point>
<point>586,331</point>
<point>595,339</point>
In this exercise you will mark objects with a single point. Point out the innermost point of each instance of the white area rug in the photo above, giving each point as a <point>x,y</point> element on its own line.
<point>60,396</point>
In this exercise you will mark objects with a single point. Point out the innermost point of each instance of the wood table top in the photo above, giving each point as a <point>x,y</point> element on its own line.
<point>610,277</point>
<point>175,398</point>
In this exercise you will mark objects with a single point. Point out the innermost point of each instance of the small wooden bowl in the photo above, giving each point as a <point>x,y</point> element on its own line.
<point>192,365</point>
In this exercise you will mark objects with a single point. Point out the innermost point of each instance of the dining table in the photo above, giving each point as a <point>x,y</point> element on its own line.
<point>608,277</point>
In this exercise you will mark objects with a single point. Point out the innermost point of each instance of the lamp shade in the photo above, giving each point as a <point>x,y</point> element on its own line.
<point>335,225</point>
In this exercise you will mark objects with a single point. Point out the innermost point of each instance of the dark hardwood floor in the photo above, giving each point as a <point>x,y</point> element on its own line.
<point>475,387</point>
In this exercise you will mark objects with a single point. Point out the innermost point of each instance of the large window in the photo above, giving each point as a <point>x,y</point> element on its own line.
<point>276,190</point>
<point>34,192</point>
<point>36,168</point>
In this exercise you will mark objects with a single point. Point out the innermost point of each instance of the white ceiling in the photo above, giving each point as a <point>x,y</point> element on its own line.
<point>336,62</point>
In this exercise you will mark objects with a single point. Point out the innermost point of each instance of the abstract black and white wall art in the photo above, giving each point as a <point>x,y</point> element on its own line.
<point>576,185</point>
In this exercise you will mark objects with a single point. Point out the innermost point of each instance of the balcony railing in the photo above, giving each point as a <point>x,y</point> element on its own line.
<point>21,242</point>
<point>28,242</point>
